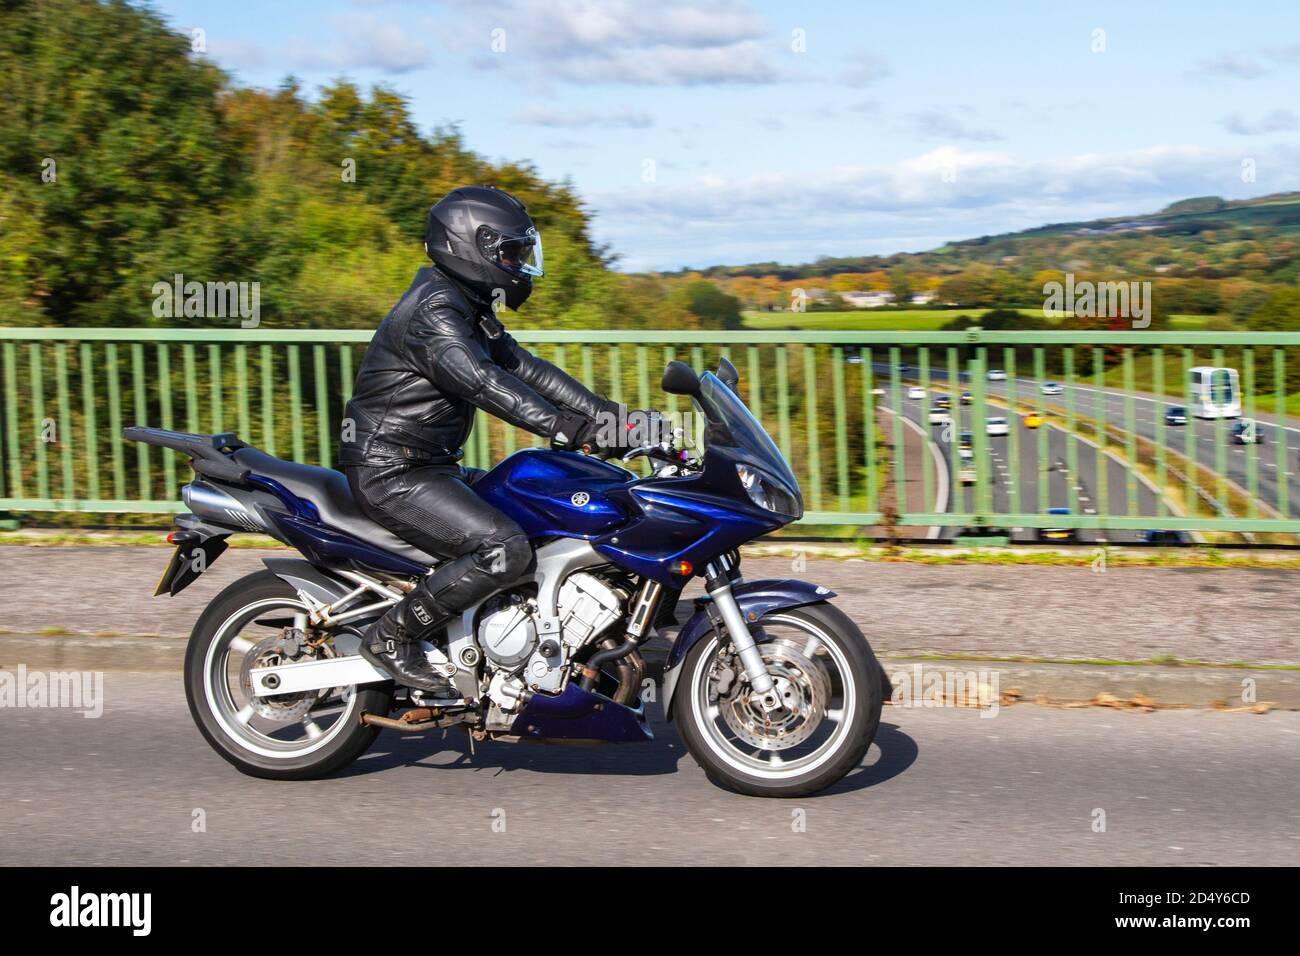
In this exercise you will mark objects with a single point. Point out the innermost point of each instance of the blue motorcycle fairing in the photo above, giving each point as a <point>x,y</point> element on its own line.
<point>644,525</point>
<point>692,518</point>
<point>756,598</point>
<point>577,714</point>
<point>325,546</point>
<point>557,493</point>
<point>678,520</point>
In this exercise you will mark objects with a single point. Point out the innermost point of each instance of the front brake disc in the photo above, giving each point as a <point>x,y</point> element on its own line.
<point>805,693</point>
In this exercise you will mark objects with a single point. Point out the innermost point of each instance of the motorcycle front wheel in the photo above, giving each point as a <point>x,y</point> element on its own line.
<point>256,622</point>
<point>830,686</point>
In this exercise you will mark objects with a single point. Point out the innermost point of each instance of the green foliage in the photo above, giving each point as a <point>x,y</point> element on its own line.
<point>162,166</point>
<point>900,284</point>
<point>1196,204</point>
<point>113,143</point>
<point>1280,312</point>
<point>714,308</point>
<point>1201,256</point>
<point>999,320</point>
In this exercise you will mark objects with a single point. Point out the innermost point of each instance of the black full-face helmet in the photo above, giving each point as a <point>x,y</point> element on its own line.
<point>484,238</point>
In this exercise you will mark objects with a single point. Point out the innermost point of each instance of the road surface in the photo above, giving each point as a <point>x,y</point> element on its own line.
<point>941,787</point>
<point>1146,410</point>
<point>1042,451</point>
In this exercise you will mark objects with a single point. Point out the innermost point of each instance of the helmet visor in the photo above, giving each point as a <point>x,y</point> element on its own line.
<point>520,254</point>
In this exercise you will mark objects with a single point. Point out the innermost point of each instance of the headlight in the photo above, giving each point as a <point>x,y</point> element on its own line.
<point>755,487</point>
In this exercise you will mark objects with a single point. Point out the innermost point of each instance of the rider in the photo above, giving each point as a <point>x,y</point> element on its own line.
<point>439,354</point>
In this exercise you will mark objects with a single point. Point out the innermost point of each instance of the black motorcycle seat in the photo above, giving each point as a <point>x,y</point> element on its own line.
<point>329,491</point>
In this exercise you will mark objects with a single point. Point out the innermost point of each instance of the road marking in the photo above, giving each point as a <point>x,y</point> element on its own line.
<point>940,467</point>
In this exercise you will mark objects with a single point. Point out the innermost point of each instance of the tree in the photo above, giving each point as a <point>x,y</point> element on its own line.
<point>159,164</point>
<point>1280,312</point>
<point>113,137</point>
<point>714,308</point>
<point>900,283</point>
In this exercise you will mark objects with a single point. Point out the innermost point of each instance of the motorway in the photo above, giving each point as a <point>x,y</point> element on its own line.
<point>1021,490</point>
<point>1146,410</point>
<point>939,787</point>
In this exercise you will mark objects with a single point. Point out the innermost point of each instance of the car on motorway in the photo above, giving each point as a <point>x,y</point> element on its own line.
<point>939,415</point>
<point>1051,388</point>
<point>967,475</point>
<point>916,392</point>
<point>967,398</point>
<point>1067,535</point>
<point>1247,432</point>
<point>997,426</point>
<point>965,446</point>
<point>1175,415</point>
<point>1033,420</point>
<point>997,375</point>
<point>1159,537</point>
<point>942,401</point>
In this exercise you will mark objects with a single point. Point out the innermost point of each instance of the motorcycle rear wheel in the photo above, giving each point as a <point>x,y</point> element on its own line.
<point>287,737</point>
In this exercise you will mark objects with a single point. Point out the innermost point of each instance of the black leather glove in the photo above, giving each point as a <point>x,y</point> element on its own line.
<point>647,427</point>
<point>580,433</point>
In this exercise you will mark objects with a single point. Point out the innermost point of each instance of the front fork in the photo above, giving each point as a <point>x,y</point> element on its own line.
<point>720,576</point>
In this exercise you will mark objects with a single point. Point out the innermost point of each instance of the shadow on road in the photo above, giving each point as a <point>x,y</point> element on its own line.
<point>896,752</point>
<point>449,752</point>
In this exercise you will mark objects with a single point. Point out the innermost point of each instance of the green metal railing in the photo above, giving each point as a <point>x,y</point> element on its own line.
<point>835,402</point>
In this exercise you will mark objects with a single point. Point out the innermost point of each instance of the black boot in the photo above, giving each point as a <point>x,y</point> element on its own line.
<point>389,644</point>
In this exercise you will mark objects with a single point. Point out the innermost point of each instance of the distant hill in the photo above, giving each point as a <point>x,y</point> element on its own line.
<point>1203,255</point>
<point>1207,236</point>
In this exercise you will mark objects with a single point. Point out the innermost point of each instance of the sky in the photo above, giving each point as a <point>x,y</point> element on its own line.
<point>739,131</point>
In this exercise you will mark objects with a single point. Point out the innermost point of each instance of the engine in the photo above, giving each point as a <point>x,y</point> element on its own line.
<point>524,650</point>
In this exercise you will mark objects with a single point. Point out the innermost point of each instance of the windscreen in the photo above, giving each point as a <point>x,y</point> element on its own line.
<point>723,407</point>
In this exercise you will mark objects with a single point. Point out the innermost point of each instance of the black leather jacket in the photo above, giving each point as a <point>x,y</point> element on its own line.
<point>435,357</point>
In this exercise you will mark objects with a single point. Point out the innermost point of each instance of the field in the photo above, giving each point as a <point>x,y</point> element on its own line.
<point>902,320</point>
<point>931,320</point>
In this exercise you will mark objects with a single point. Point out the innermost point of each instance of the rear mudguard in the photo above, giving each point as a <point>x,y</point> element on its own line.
<point>755,598</point>
<point>304,576</point>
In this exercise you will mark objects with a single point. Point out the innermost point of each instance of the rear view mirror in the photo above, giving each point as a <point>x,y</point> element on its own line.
<point>727,374</point>
<point>680,379</point>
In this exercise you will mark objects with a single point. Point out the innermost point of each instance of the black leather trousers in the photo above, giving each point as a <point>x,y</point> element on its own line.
<point>434,508</point>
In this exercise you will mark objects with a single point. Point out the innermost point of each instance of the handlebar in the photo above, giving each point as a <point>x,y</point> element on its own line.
<point>667,453</point>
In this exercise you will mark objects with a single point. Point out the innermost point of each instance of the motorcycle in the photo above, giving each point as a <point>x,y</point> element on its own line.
<point>774,690</point>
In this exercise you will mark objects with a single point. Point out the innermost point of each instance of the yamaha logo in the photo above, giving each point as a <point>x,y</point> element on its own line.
<point>579,499</point>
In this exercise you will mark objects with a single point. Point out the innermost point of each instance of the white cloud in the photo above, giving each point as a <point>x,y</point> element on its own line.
<point>863,69</point>
<point>943,125</point>
<point>365,42</point>
<point>1274,122</point>
<point>595,26</point>
<point>538,115</point>
<point>1233,65</point>
<point>358,41</point>
<point>669,43</point>
<point>1250,64</point>
<point>949,192</point>
<point>673,66</point>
